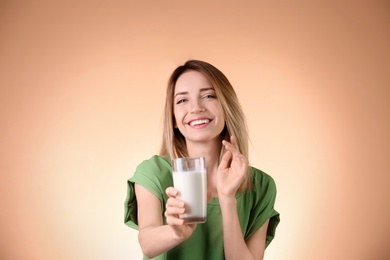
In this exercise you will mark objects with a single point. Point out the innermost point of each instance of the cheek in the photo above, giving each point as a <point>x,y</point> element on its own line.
<point>220,114</point>
<point>222,120</point>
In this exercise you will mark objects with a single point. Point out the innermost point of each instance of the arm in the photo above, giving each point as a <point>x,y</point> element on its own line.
<point>256,243</point>
<point>234,245</point>
<point>154,237</point>
<point>230,176</point>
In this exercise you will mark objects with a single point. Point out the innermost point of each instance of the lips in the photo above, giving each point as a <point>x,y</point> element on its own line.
<point>197,122</point>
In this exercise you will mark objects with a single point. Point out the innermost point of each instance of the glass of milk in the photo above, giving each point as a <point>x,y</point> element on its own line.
<point>189,177</point>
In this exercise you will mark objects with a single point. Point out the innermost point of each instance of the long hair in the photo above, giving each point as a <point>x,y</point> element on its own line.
<point>173,142</point>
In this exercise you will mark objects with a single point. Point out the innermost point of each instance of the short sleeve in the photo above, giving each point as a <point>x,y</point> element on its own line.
<point>131,207</point>
<point>154,175</point>
<point>263,208</point>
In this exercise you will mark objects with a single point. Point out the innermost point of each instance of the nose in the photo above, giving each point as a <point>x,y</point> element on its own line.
<point>197,107</point>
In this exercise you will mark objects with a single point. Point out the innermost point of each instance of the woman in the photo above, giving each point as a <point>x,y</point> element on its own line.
<point>203,117</point>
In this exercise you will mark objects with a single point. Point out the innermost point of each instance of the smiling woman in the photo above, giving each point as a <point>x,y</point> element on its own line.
<point>81,103</point>
<point>197,112</point>
<point>203,118</point>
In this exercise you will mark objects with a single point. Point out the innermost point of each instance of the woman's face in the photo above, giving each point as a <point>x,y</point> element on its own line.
<point>197,111</point>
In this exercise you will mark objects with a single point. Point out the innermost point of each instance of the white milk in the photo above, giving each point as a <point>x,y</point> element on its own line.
<point>193,191</point>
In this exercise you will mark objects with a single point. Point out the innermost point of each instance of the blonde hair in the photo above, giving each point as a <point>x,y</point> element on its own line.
<point>173,142</point>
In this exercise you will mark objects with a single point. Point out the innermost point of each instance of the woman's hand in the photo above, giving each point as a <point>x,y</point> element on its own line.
<point>231,171</point>
<point>174,207</point>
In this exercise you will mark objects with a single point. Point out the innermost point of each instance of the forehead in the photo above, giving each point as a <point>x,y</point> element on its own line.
<point>192,80</point>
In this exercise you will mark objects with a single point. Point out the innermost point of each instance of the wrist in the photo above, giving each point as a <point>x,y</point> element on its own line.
<point>181,234</point>
<point>227,201</point>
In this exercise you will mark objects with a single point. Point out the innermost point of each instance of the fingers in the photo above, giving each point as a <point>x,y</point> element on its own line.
<point>174,207</point>
<point>225,160</point>
<point>234,141</point>
<point>232,145</point>
<point>237,160</point>
<point>233,148</point>
<point>177,204</point>
<point>171,192</point>
<point>173,221</point>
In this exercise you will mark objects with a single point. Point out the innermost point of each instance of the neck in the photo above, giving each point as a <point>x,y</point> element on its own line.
<point>211,151</point>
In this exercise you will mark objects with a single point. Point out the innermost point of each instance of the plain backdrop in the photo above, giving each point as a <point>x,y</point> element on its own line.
<point>82,87</point>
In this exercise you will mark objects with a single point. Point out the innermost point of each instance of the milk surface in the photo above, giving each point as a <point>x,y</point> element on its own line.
<point>192,186</point>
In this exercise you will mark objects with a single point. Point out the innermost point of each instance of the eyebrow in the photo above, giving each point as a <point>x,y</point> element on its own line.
<point>186,92</point>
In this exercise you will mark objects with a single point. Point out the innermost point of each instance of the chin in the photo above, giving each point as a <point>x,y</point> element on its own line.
<point>205,139</point>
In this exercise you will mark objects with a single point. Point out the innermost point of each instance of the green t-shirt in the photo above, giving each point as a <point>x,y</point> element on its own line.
<point>254,208</point>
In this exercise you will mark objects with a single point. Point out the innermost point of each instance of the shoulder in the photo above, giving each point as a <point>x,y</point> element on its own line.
<point>154,163</point>
<point>262,181</point>
<point>157,168</point>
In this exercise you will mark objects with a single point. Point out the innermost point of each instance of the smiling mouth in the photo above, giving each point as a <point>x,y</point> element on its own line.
<point>199,122</point>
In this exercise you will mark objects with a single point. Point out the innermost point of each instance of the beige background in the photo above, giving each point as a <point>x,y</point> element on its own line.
<point>81,98</point>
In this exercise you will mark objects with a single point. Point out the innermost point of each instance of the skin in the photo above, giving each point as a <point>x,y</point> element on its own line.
<point>194,100</point>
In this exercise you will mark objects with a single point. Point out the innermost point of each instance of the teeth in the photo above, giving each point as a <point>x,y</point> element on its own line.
<point>199,122</point>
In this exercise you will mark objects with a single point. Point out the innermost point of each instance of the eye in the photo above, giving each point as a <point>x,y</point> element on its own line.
<point>207,96</point>
<point>181,101</point>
